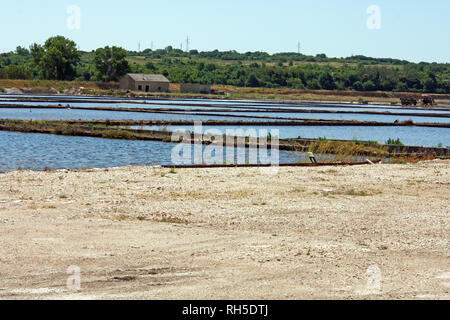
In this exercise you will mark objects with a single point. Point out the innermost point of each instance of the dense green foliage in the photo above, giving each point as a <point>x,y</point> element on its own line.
<point>15,72</point>
<point>58,59</point>
<point>111,63</point>
<point>395,142</point>
<point>263,56</point>
<point>424,77</point>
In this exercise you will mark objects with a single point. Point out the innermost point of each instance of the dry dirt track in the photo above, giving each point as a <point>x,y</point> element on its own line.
<point>304,233</point>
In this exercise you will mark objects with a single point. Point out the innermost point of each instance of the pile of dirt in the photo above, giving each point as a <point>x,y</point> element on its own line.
<point>13,91</point>
<point>71,92</point>
<point>39,90</point>
<point>24,90</point>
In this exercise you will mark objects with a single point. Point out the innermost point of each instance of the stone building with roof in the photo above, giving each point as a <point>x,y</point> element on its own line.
<point>144,82</point>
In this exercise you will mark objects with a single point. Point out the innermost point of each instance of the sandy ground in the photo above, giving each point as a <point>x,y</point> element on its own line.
<point>369,232</point>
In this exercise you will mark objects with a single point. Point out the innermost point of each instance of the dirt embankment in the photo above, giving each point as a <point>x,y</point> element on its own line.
<point>300,233</point>
<point>112,88</point>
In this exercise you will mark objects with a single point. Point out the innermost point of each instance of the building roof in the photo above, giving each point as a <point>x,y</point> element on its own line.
<point>148,77</point>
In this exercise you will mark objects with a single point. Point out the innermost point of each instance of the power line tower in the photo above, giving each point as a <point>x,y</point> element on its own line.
<point>139,47</point>
<point>299,47</point>
<point>187,44</point>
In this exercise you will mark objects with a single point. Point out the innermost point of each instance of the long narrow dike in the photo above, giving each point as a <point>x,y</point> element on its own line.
<point>288,123</point>
<point>255,105</point>
<point>276,121</point>
<point>184,112</point>
<point>234,108</point>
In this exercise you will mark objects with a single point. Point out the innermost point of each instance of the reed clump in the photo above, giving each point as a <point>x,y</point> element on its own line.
<point>394,142</point>
<point>348,148</point>
<point>118,134</point>
<point>412,158</point>
<point>23,125</point>
<point>68,130</point>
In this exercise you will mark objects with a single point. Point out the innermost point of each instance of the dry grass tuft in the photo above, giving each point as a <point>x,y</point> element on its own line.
<point>347,148</point>
<point>353,193</point>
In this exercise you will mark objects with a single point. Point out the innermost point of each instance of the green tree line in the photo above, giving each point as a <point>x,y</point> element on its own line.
<point>58,59</point>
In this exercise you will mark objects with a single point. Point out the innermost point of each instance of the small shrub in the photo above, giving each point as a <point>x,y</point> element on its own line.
<point>353,192</point>
<point>346,148</point>
<point>412,158</point>
<point>117,134</point>
<point>393,142</point>
<point>69,131</point>
<point>173,220</point>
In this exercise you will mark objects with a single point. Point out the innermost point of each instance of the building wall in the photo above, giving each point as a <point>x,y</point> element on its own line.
<point>127,83</point>
<point>195,88</point>
<point>153,86</point>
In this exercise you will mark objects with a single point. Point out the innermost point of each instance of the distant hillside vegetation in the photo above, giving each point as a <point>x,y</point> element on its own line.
<point>250,69</point>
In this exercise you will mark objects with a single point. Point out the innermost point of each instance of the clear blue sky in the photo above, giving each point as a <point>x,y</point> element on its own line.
<point>414,30</point>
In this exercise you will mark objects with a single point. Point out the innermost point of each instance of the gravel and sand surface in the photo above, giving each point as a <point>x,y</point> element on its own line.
<point>368,232</point>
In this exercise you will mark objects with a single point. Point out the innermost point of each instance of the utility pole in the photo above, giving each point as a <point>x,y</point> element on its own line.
<point>299,47</point>
<point>139,47</point>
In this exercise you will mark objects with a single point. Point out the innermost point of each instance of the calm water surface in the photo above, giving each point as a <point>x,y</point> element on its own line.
<point>37,151</point>
<point>413,136</point>
<point>40,151</point>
